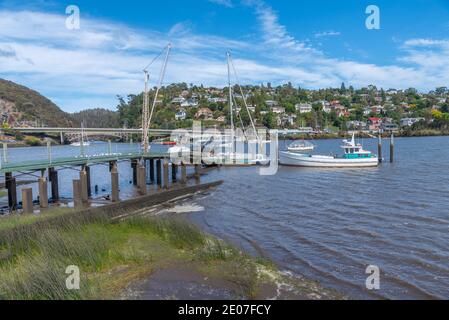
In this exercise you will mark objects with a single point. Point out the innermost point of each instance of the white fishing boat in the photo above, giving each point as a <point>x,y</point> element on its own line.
<point>301,146</point>
<point>354,156</point>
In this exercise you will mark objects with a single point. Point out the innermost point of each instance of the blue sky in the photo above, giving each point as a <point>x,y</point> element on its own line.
<point>314,44</point>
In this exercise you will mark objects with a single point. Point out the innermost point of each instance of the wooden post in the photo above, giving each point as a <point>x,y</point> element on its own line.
<point>83,181</point>
<point>379,148</point>
<point>77,201</point>
<point>183,174</point>
<point>115,196</point>
<point>174,172</point>
<point>152,170</point>
<point>166,182</point>
<point>10,183</point>
<point>134,166</point>
<point>53,174</point>
<point>392,148</point>
<point>159,172</point>
<point>197,172</point>
<point>43,193</point>
<point>142,180</point>
<point>89,188</point>
<point>27,200</point>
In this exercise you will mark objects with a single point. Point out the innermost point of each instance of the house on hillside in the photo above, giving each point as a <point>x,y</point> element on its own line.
<point>303,107</point>
<point>205,114</point>
<point>278,110</point>
<point>181,115</point>
<point>374,123</point>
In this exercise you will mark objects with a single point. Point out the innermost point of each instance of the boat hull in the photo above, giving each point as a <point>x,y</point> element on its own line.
<point>302,160</point>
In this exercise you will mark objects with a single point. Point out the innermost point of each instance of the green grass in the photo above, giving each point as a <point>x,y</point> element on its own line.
<point>111,254</point>
<point>16,220</point>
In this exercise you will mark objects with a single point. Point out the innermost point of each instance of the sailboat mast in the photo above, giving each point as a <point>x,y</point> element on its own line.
<point>230,100</point>
<point>145,114</point>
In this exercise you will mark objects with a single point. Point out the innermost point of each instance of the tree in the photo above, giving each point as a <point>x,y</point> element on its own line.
<point>343,88</point>
<point>269,120</point>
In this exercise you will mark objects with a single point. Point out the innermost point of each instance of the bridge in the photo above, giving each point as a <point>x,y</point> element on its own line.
<point>90,130</point>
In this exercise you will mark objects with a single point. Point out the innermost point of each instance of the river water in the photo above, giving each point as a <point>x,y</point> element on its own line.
<point>328,224</point>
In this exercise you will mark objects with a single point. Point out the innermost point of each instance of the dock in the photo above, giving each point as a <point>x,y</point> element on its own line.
<point>152,167</point>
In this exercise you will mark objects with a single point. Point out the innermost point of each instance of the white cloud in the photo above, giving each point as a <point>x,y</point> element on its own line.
<point>226,3</point>
<point>90,66</point>
<point>326,34</point>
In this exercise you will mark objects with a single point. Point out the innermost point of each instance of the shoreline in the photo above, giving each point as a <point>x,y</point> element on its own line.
<point>130,270</point>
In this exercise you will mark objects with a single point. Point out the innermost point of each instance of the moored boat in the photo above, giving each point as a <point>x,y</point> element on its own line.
<point>301,146</point>
<point>354,156</point>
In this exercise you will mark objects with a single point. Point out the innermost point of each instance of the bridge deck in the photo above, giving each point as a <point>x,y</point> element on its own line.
<point>75,161</point>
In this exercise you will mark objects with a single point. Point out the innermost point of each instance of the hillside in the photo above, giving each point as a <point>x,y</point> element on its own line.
<point>97,118</point>
<point>20,105</point>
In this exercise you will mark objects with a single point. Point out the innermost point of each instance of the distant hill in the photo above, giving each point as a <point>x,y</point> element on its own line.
<point>97,118</point>
<point>21,105</point>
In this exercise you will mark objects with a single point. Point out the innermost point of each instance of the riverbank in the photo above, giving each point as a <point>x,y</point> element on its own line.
<point>128,253</point>
<point>342,135</point>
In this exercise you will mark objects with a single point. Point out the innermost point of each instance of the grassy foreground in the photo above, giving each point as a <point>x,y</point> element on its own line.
<point>113,253</point>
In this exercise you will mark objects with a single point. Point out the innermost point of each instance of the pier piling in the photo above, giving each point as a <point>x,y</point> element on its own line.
<point>197,172</point>
<point>174,172</point>
<point>43,193</point>
<point>115,196</point>
<point>134,167</point>
<point>89,188</point>
<point>159,172</point>
<point>53,176</point>
<point>10,183</point>
<point>27,200</point>
<point>152,170</point>
<point>77,201</point>
<point>392,148</point>
<point>166,182</point>
<point>379,148</point>
<point>142,183</point>
<point>83,181</point>
<point>183,174</point>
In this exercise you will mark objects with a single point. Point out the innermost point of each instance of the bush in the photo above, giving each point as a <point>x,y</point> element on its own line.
<point>32,141</point>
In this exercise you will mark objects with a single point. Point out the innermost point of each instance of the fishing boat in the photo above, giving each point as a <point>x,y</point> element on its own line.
<point>354,156</point>
<point>301,146</point>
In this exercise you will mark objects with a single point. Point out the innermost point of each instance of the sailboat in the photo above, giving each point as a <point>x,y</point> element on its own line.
<point>230,153</point>
<point>81,143</point>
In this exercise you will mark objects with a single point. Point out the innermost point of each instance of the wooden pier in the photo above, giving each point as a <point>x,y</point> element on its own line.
<point>146,169</point>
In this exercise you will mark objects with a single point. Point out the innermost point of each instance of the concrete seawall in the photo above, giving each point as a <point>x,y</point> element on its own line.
<point>108,211</point>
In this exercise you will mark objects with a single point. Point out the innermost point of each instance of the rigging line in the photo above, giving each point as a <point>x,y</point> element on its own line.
<point>240,118</point>
<point>243,97</point>
<point>155,58</point>
<point>161,79</point>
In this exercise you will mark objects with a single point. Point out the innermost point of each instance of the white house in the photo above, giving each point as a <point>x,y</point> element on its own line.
<point>278,110</point>
<point>189,103</point>
<point>181,115</point>
<point>303,107</point>
<point>178,100</point>
<point>408,122</point>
